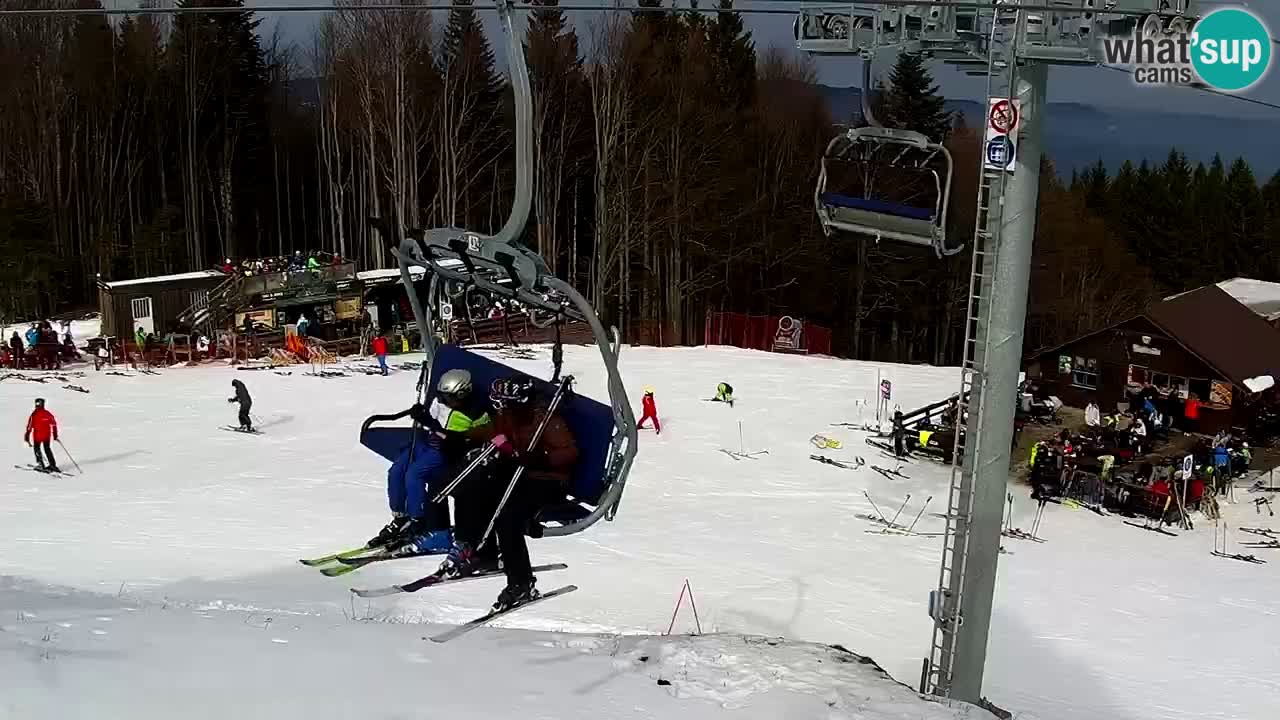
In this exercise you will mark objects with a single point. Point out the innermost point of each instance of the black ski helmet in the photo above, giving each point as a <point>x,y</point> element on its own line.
<point>515,390</point>
<point>39,402</point>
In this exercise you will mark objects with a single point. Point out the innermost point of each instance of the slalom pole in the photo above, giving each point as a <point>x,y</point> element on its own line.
<point>73,460</point>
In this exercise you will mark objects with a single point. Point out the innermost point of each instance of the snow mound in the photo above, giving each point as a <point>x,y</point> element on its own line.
<point>103,649</point>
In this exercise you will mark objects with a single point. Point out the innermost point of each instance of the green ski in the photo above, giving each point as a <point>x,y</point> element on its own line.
<point>316,562</point>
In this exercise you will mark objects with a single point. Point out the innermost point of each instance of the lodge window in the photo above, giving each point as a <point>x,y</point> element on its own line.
<point>1085,373</point>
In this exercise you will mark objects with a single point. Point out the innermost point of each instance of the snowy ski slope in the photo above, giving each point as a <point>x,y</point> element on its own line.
<point>1103,620</point>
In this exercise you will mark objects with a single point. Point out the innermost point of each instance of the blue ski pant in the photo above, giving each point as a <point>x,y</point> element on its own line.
<point>408,483</point>
<point>382,362</point>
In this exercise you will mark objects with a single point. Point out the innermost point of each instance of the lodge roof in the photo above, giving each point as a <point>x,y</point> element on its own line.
<point>1214,326</point>
<point>1233,339</point>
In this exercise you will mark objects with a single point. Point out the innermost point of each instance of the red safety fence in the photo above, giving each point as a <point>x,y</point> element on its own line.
<point>766,332</point>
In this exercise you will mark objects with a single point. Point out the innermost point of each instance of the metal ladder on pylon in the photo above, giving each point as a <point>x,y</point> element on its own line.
<point>946,604</point>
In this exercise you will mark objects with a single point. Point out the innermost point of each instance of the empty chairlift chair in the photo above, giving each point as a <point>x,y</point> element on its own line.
<point>872,150</point>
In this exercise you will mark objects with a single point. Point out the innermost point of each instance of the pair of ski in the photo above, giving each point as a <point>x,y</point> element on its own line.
<point>351,560</point>
<point>1020,534</point>
<point>1268,544</point>
<point>1238,556</point>
<point>439,578</point>
<point>46,471</point>
<point>231,428</point>
<point>460,630</point>
<point>1153,528</point>
<point>890,474</point>
<point>858,462</point>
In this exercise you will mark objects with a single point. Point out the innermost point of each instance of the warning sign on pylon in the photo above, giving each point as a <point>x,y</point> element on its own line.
<point>1001,148</point>
<point>1002,116</point>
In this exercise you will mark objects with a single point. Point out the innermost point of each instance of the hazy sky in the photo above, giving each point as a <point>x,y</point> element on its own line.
<point>1093,86</point>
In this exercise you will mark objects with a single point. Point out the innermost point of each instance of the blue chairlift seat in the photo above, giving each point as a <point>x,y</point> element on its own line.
<point>877,206</point>
<point>591,423</point>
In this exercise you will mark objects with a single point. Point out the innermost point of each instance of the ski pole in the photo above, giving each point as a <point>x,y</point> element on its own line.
<point>453,485</point>
<point>874,506</point>
<point>73,460</point>
<point>912,526</point>
<point>533,443</point>
<point>900,507</point>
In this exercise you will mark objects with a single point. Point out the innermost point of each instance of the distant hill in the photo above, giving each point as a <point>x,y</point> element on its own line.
<point>1079,135</point>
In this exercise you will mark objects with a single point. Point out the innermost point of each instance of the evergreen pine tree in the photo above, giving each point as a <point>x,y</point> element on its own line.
<point>913,101</point>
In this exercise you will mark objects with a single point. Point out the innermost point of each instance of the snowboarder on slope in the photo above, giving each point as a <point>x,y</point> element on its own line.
<point>419,526</point>
<point>724,393</point>
<point>41,427</point>
<point>545,481</point>
<point>380,349</point>
<point>246,402</point>
<point>650,411</point>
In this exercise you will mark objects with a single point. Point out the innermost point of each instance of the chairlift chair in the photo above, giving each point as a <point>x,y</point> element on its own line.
<point>890,148</point>
<point>500,266</point>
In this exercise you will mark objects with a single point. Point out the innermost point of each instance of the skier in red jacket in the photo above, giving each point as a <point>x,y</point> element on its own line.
<point>41,427</point>
<point>380,349</point>
<point>650,411</point>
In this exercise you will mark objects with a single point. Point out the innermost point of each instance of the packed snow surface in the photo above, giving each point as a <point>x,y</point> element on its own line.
<point>185,538</point>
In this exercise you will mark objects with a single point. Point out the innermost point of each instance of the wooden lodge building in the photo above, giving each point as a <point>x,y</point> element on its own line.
<point>1203,342</point>
<point>154,304</point>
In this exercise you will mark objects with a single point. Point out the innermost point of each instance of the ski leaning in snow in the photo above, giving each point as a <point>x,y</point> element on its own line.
<point>437,578</point>
<point>460,630</point>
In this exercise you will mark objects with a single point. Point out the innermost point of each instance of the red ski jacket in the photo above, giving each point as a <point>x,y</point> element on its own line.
<point>41,427</point>
<point>650,407</point>
<point>379,345</point>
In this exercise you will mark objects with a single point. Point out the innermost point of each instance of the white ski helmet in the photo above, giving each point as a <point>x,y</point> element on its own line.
<point>455,383</point>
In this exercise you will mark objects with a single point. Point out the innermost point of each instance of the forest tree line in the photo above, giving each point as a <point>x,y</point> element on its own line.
<point>675,165</point>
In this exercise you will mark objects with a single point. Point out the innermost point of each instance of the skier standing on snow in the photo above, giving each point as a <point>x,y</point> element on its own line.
<point>650,408</point>
<point>545,481</point>
<point>246,402</point>
<point>419,526</point>
<point>16,347</point>
<point>41,427</point>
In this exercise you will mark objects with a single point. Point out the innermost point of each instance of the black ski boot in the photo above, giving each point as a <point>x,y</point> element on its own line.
<point>516,593</point>
<point>465,560</point>
<point>391,532</point>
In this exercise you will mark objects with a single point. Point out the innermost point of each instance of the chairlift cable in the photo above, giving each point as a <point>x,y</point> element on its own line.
<point>410,7</point>
<point>1205,88</point>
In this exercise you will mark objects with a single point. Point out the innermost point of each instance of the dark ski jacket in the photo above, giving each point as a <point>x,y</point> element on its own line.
<point>556,453</point>
<point>242,395</point>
